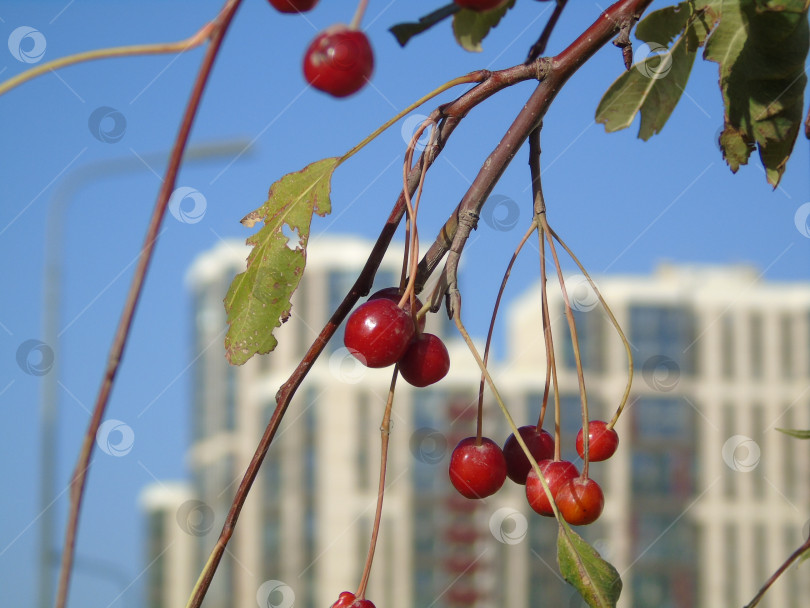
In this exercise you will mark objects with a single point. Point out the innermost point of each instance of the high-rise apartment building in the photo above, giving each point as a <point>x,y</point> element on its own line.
<point>704,498</point>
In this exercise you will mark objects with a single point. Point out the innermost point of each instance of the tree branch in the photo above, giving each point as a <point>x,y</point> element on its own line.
<point>79,478</point>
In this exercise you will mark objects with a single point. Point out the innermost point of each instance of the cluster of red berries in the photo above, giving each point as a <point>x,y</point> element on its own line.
<point>379,333</point>
<point>478,468</point>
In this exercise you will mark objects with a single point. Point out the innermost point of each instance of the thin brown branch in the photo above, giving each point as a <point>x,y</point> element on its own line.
<point>539,47</point>
<point>560,69</point>
<point>79,478</point>
<point>793,557</point>
<point>385,434</point>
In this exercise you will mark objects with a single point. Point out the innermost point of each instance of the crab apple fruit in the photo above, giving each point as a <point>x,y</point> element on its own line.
<point>477,471</point>
<point>580,501</point>
<point>479,5</point>
<point>556,472</point>
<point>378,332</point>
<point>347,599</point>
<point>425,362</point>
<point>293,6</point>
<point>392,293</point>
<point>602,441</point>
<point>339,61</point>
<point>540,444</point>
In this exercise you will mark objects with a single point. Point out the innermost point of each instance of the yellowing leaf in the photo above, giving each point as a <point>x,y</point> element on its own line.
<point>258,300</point>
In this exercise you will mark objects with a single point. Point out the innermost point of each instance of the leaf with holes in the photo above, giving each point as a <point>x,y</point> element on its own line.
<point>471,27</point>
<point>258,300</point>
<point>761,47</point>
<point>654,86</point>
<point>597,581</point>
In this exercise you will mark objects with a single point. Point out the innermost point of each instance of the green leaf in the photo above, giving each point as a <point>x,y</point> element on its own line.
<point>597,581</point>
<point>795,433</point>
<point>471,27</point>
<point>662,26</point>
<point>258,300</point>
<point>654,85</point>
<point>761,47</point>
<point>405,31</point>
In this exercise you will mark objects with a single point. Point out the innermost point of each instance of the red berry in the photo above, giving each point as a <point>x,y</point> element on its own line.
<point>556,472</point>
<point>477,471</point>
<point>580,501</point>
<point>293,6</point>
<point>347,599</point>
<point>339,61</point>
<point>425,361</point>
<point>392,293</point>
<point>602,441</point>
<point>479,5</point>
<point>540,444</point>
<point>378,332</point>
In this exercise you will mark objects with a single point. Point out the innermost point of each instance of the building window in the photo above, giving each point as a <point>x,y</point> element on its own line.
<point>727,337</point>
<point>155,582</point>
<point>590,333</point>
<point>756,345</point>
<point>663,331</point>
<point>663,418</point>
<point>786,346</point>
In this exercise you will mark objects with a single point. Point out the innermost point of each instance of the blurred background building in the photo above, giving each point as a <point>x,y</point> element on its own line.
<point>704,498</point>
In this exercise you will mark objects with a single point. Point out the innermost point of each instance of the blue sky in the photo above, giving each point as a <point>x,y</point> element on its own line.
<point>622,204</point>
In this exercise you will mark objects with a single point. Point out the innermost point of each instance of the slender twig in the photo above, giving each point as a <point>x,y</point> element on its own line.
<point>79,477</point>
<point>553,74</point>
<point>358,14</point>
<point>572,327</point>
<point>158,48</point>
<point>456,307</point>
<point>539,206</point>
<point>385,434</point>
<point>793,557</point>
<point>615,324</point>
<point>491,330</point>
<point>539,47</point>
